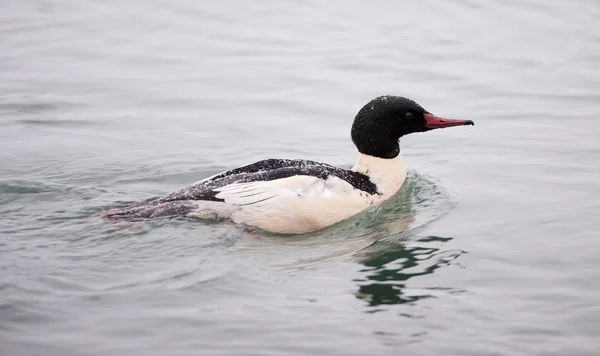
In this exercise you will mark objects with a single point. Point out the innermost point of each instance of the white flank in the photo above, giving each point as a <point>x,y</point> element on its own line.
<point>301,204</point>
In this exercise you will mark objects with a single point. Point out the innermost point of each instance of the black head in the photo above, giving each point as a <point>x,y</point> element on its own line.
<point>381,122</point>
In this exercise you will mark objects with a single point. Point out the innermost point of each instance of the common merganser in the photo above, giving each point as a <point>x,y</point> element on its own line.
<point>300,196</point>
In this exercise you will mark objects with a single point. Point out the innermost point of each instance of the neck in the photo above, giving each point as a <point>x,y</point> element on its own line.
<point>383,149</point>
<point>388,174</point>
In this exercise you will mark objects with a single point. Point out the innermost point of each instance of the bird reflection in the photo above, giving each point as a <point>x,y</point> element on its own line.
<point>388,268</point>
<point>384,241</point>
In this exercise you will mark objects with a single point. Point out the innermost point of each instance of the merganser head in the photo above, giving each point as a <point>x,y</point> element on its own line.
<point>378,126</point>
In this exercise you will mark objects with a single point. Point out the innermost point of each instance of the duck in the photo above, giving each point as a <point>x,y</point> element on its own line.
<point>297,196</point>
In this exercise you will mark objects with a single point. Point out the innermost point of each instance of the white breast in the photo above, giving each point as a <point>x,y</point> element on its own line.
<point>388,174</point>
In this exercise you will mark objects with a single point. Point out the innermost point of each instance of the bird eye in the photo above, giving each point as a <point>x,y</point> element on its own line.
<point>409,115</point>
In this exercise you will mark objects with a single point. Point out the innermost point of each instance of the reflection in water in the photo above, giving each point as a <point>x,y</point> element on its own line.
<point>389,267</point>
<point>382,240</point>
<point>392,260</point>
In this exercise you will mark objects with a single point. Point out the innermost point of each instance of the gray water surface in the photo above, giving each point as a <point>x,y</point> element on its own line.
<point>490,249</point>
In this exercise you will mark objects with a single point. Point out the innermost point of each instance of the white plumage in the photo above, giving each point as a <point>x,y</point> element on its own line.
<point>303,203</point>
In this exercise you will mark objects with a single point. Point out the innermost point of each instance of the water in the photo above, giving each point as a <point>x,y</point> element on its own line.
<point>491,249</point>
